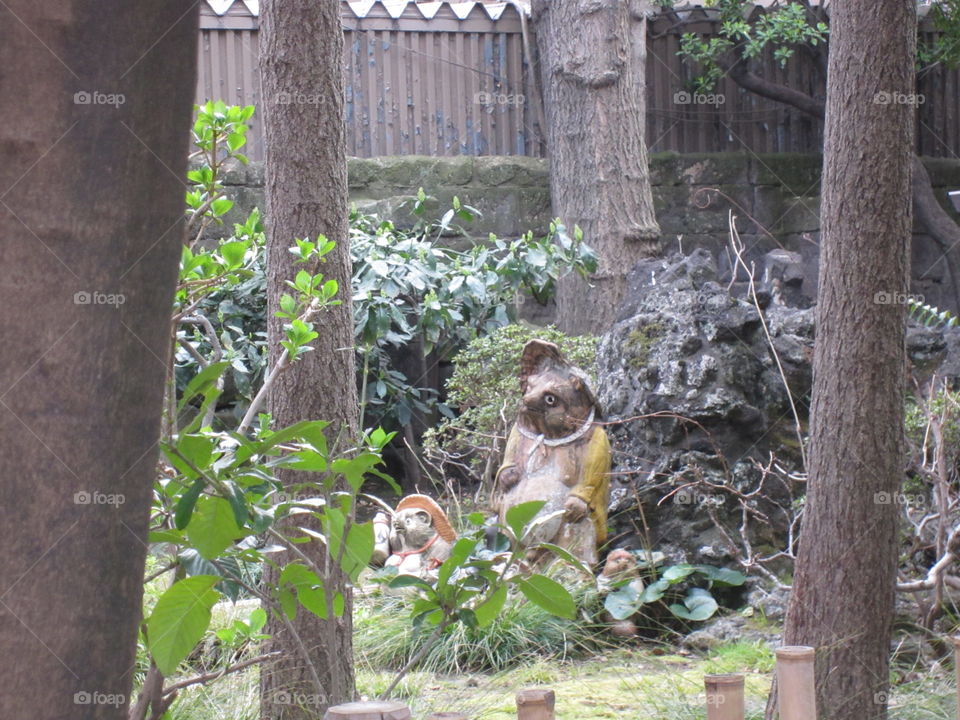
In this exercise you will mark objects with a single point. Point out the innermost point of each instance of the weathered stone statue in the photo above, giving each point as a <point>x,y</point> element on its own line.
<point>418,538</point>
<point>557,453</point>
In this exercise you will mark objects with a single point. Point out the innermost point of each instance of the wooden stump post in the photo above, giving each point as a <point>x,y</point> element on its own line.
<point>724,696</point>
<point>535,704</point>
<point>796,689</point>
<point>374,710</point>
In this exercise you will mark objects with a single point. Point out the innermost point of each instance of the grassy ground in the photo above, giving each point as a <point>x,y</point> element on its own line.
<point>639,680</point>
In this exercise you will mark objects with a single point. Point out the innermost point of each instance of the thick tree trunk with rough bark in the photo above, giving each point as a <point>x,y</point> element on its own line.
<point>843,597</point>
<point>93,149</point>
<point>301,44</point>
<point>593,59</point>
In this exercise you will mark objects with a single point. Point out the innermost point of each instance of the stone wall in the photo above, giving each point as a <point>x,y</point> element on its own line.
<point>774,197</point>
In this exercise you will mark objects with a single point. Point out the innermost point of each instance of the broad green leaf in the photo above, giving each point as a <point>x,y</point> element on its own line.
<point>402,581</point>
<point>184,508</point>
<point>654,591</point>
<point>213,527</point>
<point>622,603</point>
<point>308,586</point>
<point>202,383</point>
<point>458,554</point>
<point>676,573</point>
<point>358,551</point>
<point>722,576</point>
<point>520,515</point>
<point>698,606</point>
<point>486,612</point>
<point>179,620</point>
<point>548,594</point>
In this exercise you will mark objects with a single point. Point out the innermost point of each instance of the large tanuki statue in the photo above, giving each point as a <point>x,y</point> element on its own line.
<point>557,453</point>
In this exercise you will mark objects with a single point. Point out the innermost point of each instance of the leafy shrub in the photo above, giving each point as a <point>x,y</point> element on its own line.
<point>485,389</point>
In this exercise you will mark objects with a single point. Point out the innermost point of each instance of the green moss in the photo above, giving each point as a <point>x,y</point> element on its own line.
<point>637,345</point>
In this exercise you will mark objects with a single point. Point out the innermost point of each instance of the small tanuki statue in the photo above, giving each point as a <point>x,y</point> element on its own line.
<point>418,538</point>
<point>556,453</point>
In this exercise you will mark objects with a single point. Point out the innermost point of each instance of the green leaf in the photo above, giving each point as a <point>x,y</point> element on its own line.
<point>358,551</point>
<point>520,515</point>
<point>213,527</point>
<point>623,603</point>
<point>202,383</point>
<point>698,606</point>
<point>184,508</point>
<point>654,591</point>
<point>221,206</point>
<point>233,253</point>
<point>487,611</point>
<point>458,554</point>
<point>179,620</point>
<point>308,586</point>
<point>402,581</point>
<point>676,573</point>
<point>548,594</point>
<point>722,576</point>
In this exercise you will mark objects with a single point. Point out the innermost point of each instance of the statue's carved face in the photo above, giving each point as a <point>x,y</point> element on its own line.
<point>414,527</point>
<point>556,400</point>
<point>555,403</point>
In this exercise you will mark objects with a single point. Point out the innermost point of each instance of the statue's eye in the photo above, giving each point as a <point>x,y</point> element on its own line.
<point>550,399</point>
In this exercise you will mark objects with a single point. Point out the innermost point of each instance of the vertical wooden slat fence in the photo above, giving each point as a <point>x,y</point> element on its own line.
<point>447,85</point>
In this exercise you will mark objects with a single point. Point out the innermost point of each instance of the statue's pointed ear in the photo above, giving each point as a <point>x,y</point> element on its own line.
<point>536,355</point>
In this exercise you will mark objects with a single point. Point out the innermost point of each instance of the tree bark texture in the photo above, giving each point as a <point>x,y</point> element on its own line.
<point>593,59</point>
<point>301,44</point>
<point>843,596</point>
<point>93,150</point>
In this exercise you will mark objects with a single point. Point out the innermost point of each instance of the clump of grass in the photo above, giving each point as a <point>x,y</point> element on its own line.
<point>740,657</point>
<point>524,633</point>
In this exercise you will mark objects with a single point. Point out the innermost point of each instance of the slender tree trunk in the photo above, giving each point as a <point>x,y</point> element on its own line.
<point>301,45</point>
<point>843,596</point>
<point>593,59</point>
<point>93,146</point>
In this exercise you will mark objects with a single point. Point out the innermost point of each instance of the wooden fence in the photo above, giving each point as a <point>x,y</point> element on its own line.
<point>460,83</point>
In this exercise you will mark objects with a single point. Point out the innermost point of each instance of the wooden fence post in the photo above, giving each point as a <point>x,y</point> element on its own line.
<point>535,704</point>
<point>374,710</point>
<point>724,696</point>
<point>796,689</point>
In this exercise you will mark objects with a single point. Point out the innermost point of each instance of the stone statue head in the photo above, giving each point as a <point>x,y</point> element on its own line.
<point>557,399</point>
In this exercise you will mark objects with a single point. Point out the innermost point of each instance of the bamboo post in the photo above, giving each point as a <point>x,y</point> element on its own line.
<point>796,690</point>
<point>535,704</point>
<point>956,666</point>
<point>724,696</point>
<point>374,710</point>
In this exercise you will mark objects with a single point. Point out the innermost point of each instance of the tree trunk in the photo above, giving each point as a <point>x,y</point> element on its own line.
<point>843,596</point>
<point>93,149</point>
<point>301,45</point>
<point>593,60</point>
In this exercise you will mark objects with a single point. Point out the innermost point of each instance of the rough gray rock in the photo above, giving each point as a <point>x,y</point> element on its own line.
<point>689,381</point>
<point>696,403</point>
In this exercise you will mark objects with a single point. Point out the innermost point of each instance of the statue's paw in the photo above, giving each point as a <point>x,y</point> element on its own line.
<point>575,509</point>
